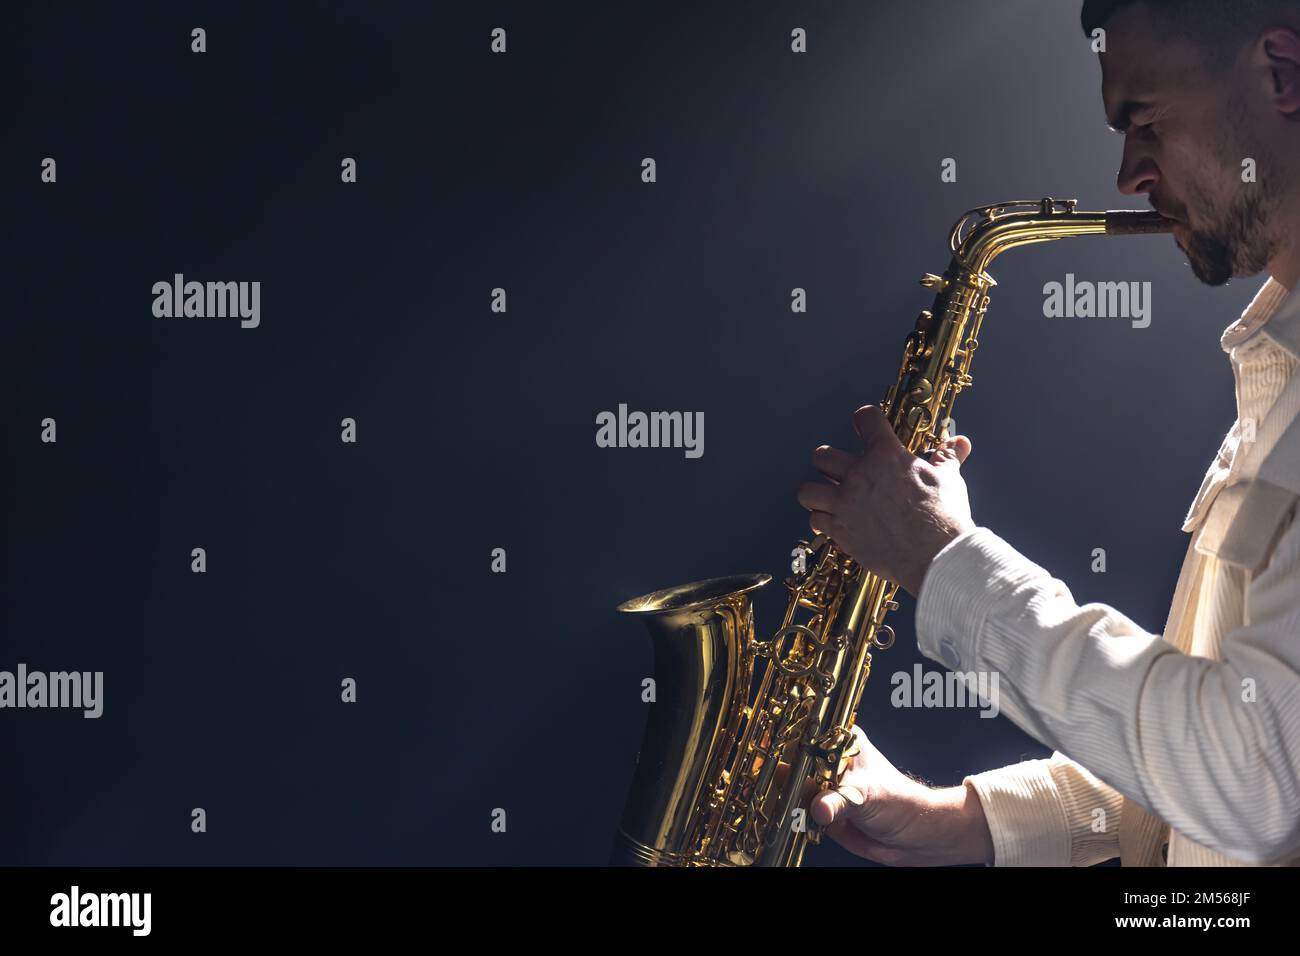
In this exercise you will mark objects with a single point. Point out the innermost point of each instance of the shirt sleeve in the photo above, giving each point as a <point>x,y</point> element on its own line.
<point>1210,747</point>
<point>1049,812</point>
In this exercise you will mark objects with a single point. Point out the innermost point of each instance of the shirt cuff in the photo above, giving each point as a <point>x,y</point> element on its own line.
<point>1024,813</point>
<point>964,581</point>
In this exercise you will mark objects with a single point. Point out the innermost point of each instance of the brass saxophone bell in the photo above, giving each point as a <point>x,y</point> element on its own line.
<point>702,634</point>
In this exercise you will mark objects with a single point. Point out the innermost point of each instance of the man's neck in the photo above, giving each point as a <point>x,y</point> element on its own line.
<point>1284,276</point>
<point>1284,267</point>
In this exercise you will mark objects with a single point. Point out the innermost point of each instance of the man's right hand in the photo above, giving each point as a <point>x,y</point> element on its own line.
<point>885,816</point>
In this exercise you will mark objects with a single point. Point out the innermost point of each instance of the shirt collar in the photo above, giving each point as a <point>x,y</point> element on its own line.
<point>1274,312</point>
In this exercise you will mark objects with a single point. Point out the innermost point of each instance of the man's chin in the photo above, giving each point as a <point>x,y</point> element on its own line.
<point>1211,266</point>
<point>1211,274</point>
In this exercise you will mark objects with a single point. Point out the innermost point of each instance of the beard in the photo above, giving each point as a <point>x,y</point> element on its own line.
<point>1232,237</point>
<point>1232,240</point>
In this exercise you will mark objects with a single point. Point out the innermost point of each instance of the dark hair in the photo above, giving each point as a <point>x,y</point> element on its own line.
<point>1097,12</point>
<point>1219,27</point>
<point>1203,15</point>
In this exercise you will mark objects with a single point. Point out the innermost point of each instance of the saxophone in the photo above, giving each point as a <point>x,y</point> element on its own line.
<point>732,752</point>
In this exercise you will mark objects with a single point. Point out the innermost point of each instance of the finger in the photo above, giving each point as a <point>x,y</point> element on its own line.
<point>874,428</point>
<point>828,807</point>
<point>816,496</point>
<point>823,523</point>
<point>832,462</point>
<point>954,451</point>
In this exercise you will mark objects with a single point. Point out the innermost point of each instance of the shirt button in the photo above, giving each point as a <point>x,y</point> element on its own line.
<point>948,651</point>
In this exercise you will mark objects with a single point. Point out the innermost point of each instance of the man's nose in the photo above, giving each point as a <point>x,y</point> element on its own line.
<point>1138,173</point>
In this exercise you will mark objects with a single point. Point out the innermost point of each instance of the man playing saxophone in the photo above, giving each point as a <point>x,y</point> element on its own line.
<point>1185,746</point>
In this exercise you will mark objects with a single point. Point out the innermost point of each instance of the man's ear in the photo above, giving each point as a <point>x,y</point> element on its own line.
<point>1280,49</point>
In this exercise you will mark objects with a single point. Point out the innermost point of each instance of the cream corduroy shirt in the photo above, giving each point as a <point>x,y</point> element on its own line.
<point>1186,744</point>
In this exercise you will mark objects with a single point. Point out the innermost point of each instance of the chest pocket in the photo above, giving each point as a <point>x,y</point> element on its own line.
<point>1244,522</point>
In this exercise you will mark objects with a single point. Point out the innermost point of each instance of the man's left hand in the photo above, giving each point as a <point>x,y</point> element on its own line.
<point>888,509</point>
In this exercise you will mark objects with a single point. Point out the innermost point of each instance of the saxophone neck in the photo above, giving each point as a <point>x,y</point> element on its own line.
<point>984,233</point>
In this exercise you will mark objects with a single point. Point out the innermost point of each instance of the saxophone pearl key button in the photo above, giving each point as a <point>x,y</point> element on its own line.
<point>948,651</point>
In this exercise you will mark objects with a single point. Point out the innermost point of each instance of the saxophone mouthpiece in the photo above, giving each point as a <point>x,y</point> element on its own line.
<point>1126,222</point>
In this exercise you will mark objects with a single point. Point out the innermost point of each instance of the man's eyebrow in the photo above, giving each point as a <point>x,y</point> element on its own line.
<point>1123,116</point>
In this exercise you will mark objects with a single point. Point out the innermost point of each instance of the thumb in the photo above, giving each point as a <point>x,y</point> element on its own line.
<point>954,451</point>
<point>831,805</point>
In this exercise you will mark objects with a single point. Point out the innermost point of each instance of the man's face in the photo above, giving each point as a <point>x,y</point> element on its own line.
<point>1187,129</point>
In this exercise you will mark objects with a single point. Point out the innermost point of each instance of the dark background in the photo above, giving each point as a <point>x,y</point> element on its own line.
<point>476,429</point>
